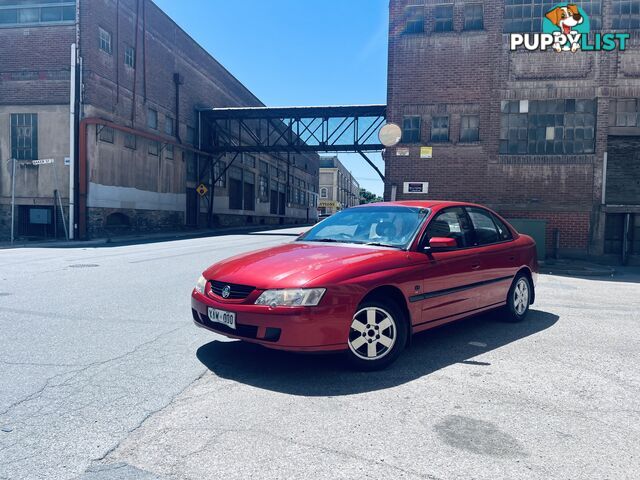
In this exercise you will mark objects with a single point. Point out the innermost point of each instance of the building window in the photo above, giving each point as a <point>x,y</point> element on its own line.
<point>191,135</point>
<point>152,118</point>
<point>105,40</point>
<point>324,193</point>
<point>106,134</point>
<point>249,160</point>
<point>130,141</point>
<point>235,188</point>
<point>443,16</point>
<point>473,16</point>
<point>626,14</point>
<point>411,130</point>
<point>627,113</point>
<point>220,174</point>
<point>154,148</point>
<point>129,56</point>
<point>264,188</point>
<point>168,126</point>
<point>551,127</point>
<point>469,128</point>
<point>528,15</point>
<point>33,13</point>
<point>440,129</point>
<point>168,151</point>
<point>415,19</point>
<point>192,167</point>
<point>24,136</point>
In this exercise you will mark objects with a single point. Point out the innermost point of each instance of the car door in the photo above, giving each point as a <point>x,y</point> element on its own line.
<point>497,258</point>
<point>449,275</point>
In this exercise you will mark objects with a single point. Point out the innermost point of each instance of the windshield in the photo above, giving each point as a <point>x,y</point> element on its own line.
<point>389,226</point>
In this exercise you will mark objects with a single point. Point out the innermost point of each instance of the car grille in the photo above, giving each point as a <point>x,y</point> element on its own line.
<point>238,292</point>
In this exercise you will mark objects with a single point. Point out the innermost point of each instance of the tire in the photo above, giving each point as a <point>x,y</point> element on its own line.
<point>378,334</point>
<point>518,299</point>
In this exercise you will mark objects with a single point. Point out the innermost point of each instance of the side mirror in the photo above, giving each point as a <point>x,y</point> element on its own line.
<point>440,243</point>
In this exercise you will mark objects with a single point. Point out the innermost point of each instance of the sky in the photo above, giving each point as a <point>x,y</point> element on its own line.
<point>298,52</point>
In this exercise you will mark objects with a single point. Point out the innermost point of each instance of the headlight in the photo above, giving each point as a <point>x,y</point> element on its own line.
<point>293,297</point>
<point>202,282</point>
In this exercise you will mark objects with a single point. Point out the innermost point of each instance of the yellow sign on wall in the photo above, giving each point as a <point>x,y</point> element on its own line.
<point>426,152</point>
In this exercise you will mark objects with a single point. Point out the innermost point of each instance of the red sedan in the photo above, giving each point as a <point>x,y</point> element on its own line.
<point>367,278</point>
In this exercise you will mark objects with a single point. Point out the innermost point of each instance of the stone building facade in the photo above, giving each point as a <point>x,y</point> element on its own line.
<point>543,137</point>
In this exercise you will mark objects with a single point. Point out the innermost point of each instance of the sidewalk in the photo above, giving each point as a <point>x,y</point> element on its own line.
<point>580,268</point>
<point>148,238</point>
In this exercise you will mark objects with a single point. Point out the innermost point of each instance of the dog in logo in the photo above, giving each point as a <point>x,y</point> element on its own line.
<point>565,18</point>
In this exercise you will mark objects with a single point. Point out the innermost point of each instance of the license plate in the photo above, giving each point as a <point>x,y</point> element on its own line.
<point>223,317</point>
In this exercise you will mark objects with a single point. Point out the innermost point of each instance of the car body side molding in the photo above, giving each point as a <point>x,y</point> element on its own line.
<point>447,291</point>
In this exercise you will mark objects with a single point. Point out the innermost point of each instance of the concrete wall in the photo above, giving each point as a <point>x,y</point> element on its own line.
<point>34,185</point>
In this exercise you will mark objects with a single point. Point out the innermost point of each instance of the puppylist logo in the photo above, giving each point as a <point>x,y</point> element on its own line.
<point>566,28</point>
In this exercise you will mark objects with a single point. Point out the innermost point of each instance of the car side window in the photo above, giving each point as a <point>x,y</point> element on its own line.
<point>504,233</point>
<point>483,226</point>
<point>450,223</point>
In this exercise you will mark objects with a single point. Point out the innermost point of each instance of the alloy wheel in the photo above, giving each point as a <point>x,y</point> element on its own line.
<point>521,296</point>
<point>373,333</point>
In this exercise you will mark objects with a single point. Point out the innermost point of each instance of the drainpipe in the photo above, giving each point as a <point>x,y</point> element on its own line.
<point>72,143</point>
<point>177,79</point>
<point>604,178</point>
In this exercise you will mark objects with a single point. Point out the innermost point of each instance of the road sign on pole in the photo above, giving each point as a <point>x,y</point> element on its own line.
<point>43,161</point>
<point>202,189</point>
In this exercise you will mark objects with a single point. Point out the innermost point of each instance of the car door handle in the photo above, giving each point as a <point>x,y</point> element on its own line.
<point>475,266</point>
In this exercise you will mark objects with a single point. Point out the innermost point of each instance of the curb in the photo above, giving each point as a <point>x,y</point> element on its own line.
<point>133,239</point>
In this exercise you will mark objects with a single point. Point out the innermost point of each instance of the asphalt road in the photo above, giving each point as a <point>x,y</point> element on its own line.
<point>103,376</point>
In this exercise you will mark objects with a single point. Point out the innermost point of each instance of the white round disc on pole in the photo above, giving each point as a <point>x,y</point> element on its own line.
<point>390,134</point>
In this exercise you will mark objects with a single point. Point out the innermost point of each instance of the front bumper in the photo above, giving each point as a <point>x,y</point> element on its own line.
<point>305,329</point>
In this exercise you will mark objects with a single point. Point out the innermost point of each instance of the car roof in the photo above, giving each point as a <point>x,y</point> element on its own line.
<point>419,203</point>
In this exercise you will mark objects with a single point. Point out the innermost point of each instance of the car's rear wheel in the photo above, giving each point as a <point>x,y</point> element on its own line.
<point>519,298</point>
<point>377,336</point>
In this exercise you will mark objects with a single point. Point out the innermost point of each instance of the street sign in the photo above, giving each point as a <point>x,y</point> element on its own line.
<point>44,161</point>
<point>202,189</point>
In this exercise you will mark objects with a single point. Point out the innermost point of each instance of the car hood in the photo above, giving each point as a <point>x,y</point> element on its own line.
<point>296,264</point>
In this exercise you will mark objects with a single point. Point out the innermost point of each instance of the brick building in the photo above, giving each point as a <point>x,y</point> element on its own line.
<point>548,139</point>
<point>338,187</point>
<point>142,82</point>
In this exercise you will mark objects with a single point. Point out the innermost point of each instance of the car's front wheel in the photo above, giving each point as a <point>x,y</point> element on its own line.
<point>377,336</point>
<point>519,298</point>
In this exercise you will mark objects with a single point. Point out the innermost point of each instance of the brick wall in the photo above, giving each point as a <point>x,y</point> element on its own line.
<point>34,65</point>
<point>472,72</point>
<point>573,227</point>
